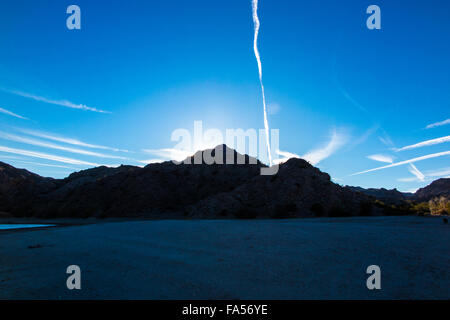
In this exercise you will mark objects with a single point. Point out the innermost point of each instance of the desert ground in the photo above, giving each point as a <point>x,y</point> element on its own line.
<point>321,258</point>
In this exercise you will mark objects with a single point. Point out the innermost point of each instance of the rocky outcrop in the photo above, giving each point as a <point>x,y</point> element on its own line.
<point>438,188</point>
<point>298,190</point>
<point>20,188</point>
<point>437,196</point>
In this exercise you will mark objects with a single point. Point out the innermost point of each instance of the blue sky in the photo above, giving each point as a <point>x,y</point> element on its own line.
<point>335,88</point>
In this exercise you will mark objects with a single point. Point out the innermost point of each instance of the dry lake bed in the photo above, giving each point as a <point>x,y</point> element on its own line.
<point>322,258</point>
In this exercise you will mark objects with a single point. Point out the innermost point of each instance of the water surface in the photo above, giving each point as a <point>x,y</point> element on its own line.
<point>23,226</point>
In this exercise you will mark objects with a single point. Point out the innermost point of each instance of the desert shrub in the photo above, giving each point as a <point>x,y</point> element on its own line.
<point>420,208</point>
<point>439,206</point>
<point>397,210</point>
<point>379,203</point>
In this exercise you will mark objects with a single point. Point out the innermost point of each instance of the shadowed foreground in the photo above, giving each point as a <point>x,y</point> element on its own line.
<point>231,259</point>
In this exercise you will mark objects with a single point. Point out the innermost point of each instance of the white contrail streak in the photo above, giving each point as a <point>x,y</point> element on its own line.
<point>46,165</point>
<point>12,114</point>
<point>429,156</point>
<point>66,140</point>
<point>438,124</point>
<point>34,142</point>
<point>426,143</point>
<point>63,103</point>
<point>258,59</point>
<point>46,156</point>
<point>419,175</point>
<point>381,158</point>
<point>168,153</point>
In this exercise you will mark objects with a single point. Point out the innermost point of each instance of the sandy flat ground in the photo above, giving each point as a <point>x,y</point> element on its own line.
<point>230,259</point>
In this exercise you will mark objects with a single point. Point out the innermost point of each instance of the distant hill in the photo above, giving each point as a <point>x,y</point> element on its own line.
<point>190,190</point>
<point>388,196</point>
<point>433,199</point>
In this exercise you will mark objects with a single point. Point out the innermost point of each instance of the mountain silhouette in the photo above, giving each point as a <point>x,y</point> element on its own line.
<point>194,188</point>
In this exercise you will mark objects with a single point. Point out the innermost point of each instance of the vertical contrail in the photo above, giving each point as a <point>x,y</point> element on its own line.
<point>258,59</point>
